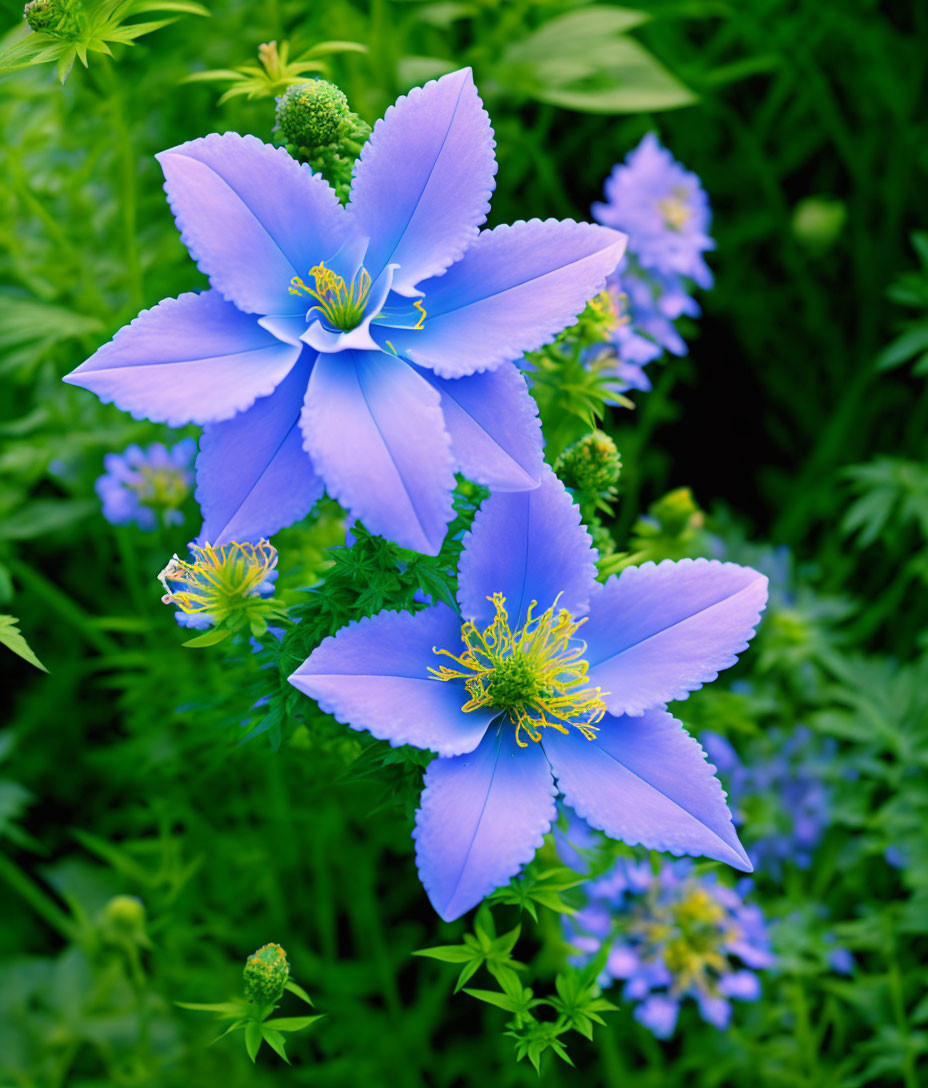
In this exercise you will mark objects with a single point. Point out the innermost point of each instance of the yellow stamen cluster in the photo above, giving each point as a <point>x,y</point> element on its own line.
<point>537,673</point>
<point>162,487</point>
<point>675,209</point>
<point>341,305</point>
<point>220,581</point>
<point>690,932</point>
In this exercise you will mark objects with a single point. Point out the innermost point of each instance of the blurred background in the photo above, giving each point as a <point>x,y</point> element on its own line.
<point>798,420</point>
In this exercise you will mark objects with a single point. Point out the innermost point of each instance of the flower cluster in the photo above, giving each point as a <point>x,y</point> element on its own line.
<point>147,486</point>
<point>782,798</point>
<point>672,934</point>
<point>370,349</point>
<point>665,212</point>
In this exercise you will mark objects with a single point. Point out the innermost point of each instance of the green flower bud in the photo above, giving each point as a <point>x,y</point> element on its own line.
<point>677,512</point>
<point>817,222</point>
<point>57,17</point>
<point>266,973</point>
<point>591,466</point>
<point>310,114</point>
<point>124,919</point>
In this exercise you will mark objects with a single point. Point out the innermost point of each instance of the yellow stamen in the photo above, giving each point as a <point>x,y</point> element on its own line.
<point>341,305</point>
<point>536,673</point>
<point>674,209</point>
<point>220,580</point>
<point>418,306</point>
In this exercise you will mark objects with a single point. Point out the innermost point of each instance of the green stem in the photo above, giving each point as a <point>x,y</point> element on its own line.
<point>62,605</point>
<point>41,903</point>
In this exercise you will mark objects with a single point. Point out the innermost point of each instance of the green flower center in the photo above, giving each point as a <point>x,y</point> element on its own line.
<point>536,673</point>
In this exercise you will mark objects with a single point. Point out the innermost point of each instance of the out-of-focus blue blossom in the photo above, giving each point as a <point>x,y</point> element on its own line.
<point>784,799</point>
<point>672,935</point>
<point>663,209</point>
<point>141,486</point>
<point>666,215</point>
<point>841,960</point>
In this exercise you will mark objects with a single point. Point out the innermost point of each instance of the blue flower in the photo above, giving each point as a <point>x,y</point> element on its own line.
<point>663,209</point>
<point>508,694</point>
<point>140,486</point>
<point>367,350</point>
<point>783,798</point>
<point>671,936</point>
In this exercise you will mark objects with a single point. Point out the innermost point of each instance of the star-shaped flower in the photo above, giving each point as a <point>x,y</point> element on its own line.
<point>546,675</point>
<point>367,350</point>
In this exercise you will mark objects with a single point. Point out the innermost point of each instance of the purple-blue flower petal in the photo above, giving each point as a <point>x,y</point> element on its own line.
<point>494,427</point>
<point>514,290</point>
<point>482,817</point>
<point>375,432</point>
<point>373,675</point>
<point>658,632</point>
<point>529,546</point>
<point>253,475</point>
<point>658,1014</point>
<point>252,217</point>
<point>422,185</point>
<point>646,781</point>
<point>192,359</point>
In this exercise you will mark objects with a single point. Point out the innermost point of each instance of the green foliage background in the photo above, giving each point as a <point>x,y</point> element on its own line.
<point>799,420</point>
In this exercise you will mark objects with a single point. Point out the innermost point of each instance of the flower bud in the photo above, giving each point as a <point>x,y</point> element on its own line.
<point>56,17</point>
<point>591,466</point>
<point>817,222</point>
<point>265,975</point>
<point>677,512</point>
<point>310,114</point>
<point>123,920</point>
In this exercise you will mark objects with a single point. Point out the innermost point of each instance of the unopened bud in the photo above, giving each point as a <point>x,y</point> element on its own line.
<point>310,114</point>
<point>591,466</point>
<point>266,973</point>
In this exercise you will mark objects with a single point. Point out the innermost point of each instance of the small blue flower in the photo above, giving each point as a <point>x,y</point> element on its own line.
<point>672,936</point>
<point>663,209</point>
<point>368,350</point>
<point>511,696</point>
<point>141,486</point>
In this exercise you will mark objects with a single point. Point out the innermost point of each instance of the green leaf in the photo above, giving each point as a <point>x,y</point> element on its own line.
<point>275,1041</point>
<point>209,638</point>
<point>583,61</point>
<point>12,638</point>
<point>291,1023</point>
<point>491,997</point>
<point>45,516</point>
<point>224,1008</point>
<point>448,953</point>
<point>253,1039</point>
<point>294,988</point>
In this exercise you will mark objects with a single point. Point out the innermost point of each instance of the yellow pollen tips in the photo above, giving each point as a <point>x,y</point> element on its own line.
<point>674,209</point>
<point>417,305</point>
<point>219,580</point>
<point>536,673</point>
<point>341,304</point>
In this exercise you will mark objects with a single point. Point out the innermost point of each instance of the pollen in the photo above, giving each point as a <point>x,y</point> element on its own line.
<point>219,581</point>
<point>341,304</point>
<point>536,673</point>
<point>675,209</point>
